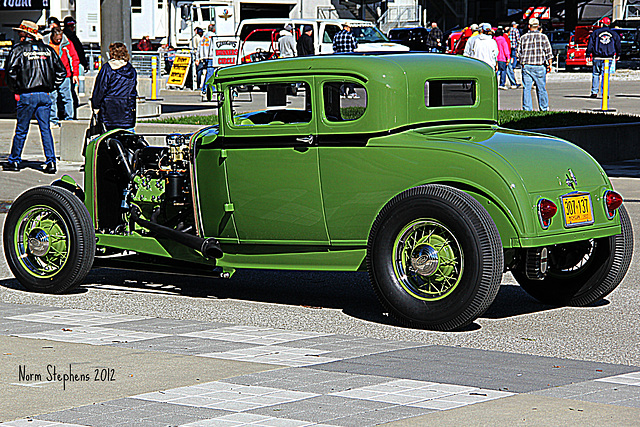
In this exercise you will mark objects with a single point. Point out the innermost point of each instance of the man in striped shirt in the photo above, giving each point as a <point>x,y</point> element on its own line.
<point>535,55</point>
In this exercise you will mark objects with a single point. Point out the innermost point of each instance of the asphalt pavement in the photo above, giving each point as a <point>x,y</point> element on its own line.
<point>274,348</point>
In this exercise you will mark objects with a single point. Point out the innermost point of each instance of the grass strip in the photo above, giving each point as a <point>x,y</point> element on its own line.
<point>519,119</point>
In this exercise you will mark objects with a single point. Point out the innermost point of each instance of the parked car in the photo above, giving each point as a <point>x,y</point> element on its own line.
<point>409,178</point>
<point>257,36</point>
<point>577,48</point>
<point>559,40</point>
<point>415,38</point>
<point>629,41</point>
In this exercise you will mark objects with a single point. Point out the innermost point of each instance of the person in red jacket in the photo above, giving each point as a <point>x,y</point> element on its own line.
<point>71,62</point>
<point>144,45</point>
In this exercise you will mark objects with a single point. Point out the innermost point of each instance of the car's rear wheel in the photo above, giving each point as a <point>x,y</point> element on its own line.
<point>49,240</point>
<point>582,273</point>
<point>435,258</point>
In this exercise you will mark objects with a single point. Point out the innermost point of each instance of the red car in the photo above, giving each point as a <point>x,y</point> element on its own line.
<point>577,48</point>
<point>457,41</point>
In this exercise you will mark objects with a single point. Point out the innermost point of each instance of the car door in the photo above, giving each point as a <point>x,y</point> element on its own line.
<point>271,161</point>
<point>326,40</point>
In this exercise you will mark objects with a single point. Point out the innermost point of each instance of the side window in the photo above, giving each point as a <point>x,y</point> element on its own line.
<point>344,101</point>
<point>206,14</point>
<point>449,93</point>
<point>329,32</point>
<point>271,103</point>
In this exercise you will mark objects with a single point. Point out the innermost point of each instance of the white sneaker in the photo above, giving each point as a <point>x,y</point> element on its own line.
<point>503,87</point>
<point>355,96</point>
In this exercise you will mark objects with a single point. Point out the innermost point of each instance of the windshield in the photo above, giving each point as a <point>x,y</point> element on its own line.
<point>368,35</point>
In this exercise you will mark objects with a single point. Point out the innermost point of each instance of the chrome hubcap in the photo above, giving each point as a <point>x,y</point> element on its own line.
<point>38,243</point>
<point>424,260</point>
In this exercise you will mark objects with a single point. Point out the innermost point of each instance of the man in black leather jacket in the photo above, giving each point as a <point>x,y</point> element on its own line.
<point>32,69</point>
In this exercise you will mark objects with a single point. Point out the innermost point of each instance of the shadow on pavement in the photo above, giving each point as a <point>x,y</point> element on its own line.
<point>349,292</point>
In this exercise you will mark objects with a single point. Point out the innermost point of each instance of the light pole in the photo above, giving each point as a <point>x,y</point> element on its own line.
<point>115,24</point>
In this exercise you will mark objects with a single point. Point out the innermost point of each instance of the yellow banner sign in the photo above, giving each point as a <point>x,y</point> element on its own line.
<point>179,70</point>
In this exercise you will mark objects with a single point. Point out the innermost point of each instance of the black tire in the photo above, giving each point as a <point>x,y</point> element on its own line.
<point>49,240</point>
<point>463,280</point>
<point>584,272</point>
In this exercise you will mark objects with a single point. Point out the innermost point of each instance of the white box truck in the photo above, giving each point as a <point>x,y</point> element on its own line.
<point>260,35</point>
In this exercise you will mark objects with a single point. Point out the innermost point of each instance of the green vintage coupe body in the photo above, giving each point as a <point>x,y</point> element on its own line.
<point>388,163</point>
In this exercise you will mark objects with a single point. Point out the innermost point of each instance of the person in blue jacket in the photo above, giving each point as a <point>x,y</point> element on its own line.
<point>114,92</point>
<point>604,43</point>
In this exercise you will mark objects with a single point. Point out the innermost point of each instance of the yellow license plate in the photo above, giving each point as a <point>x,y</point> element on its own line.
<point>577,209</point>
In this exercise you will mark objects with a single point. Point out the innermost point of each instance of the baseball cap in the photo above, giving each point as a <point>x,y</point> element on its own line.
<point>288,27</point>
<point>474,27</point>
<point>533,22</point>
<point>485,26</point>
<point>605,20</point>
<point>69,20</point>
<point>307,28</point>
<point>514,23</point>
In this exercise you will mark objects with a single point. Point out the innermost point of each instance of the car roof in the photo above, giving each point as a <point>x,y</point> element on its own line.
<point>352,22</point>
<point>396,81</point>
<point>364,65</point>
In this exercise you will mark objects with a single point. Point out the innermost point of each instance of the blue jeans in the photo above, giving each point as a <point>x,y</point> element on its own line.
<point>202,65</point>
<point>502,72</point>
<point>30,103</point>
<point>65,93</point>
<point>210,71</point>
<point>510,74</point>
<point>597,73</point>
<point>534,74</point>
<point>514,59</point>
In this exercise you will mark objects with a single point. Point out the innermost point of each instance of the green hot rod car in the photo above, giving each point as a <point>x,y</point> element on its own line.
<point>392,164</point>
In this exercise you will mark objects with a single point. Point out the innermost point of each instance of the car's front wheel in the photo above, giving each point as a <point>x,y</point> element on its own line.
<point>581,273</point>
<point>49,240</point>
<point>435,258</point>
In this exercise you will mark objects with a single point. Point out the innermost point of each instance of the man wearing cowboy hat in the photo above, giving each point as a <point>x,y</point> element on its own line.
<point>33,69</point>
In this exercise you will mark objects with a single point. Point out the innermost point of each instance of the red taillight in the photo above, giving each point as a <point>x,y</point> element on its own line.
<point>612,201</point>
<point>546,210</point>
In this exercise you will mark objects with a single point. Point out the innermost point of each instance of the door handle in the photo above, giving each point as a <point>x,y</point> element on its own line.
<point>306,139</point>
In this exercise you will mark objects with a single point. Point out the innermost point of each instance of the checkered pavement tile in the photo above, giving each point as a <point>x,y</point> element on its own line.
<point>253,335</point>
<point>30,422</point>
<point>76,317</point>
<point>92,335</point>
<point>277,355</point>
<point>422,394</point>
<point>225,396</point>
<point>632,378</point>
<point>252,420</point>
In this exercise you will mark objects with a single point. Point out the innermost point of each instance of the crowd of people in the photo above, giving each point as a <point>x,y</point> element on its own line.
<point>42,70</point>
<point>504,49</point>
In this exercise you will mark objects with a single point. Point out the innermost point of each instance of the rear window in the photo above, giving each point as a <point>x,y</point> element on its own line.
<point>449,93</point>
<point>399,34</point>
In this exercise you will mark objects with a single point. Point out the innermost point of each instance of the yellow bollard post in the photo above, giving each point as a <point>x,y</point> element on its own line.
<point>605,86</point>
<point>154,77</point>
<point>99,62</point>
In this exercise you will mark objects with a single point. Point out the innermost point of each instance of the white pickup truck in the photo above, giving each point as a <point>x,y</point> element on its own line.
<point>261,35</point>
